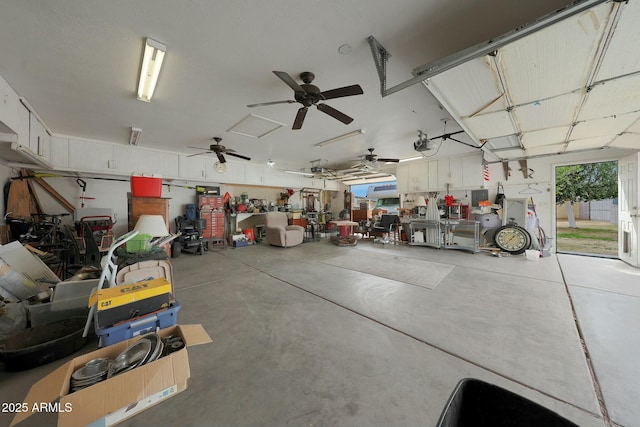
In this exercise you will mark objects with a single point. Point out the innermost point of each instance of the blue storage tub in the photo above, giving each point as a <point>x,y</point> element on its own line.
<point>139,326</point>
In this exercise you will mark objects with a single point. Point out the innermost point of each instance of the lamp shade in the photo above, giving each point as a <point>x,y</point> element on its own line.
<point>420,201</point>
<point>152,225</point>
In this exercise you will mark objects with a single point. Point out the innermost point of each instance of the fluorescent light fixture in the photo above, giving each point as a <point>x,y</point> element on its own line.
<point>151,63</point>
<point>300,173</point>
<point>408,159</point>
<point>134,137</point>
<point>339,138</point>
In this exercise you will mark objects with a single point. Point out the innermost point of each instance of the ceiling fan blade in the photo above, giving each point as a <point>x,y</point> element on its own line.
<point>220,157</point>
<point>260,104</point>
<point>297,123</point>
<point>335,113</point>
<point>342,91</point>
<point>239,156</point>
<point>289,81</point>
<point>197,154</point>
<point>389,160</point>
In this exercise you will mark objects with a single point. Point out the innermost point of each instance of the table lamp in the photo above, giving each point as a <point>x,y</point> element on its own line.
<point>153,225</point>
<point>420,201</point>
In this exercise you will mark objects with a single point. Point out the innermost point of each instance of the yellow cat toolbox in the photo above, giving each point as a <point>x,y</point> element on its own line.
<point>130,300</point>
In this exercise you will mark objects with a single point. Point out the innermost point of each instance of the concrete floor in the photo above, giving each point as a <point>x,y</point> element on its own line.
<point>302,338</point>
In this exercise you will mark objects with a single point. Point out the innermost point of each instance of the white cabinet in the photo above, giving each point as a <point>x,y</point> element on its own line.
<point>59,148</point>
<point>167,164</point>
<point>39,139</point>
<point>444,177</point>
<point>10,107</point>
<point>279,178</point>
<point>472,169</point>
<point>90,156</point>
<point>193,167</point>
<point>460,172</point>
<point>418,176</point>
<point>128,160</point>
<point>254,174</point>
<point>402,179</point>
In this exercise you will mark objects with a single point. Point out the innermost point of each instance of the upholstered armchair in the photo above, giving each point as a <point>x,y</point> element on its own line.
<point>278,232</point>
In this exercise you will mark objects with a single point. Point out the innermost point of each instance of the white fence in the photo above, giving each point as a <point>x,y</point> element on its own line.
<point>597,210</point>
<point>600,210</point>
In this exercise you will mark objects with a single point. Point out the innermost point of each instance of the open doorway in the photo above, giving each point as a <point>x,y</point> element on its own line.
<point>587,209</point>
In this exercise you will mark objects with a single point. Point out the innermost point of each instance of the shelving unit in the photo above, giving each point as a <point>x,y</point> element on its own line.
<point>431,234</point>
<point>467,230</point>
<point>446,234</point>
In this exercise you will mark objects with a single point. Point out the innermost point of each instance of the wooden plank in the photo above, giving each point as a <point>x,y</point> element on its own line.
<point>505,168</point>
<point>34,197</point>
<point>19,200</point>
<point>49,189</point>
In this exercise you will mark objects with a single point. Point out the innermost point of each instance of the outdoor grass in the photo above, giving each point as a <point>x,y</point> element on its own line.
<point>592,239</point>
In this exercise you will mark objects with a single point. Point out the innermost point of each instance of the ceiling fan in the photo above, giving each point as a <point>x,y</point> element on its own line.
<point>374,157</point>
<point>220,150</point>
<point>308,95</point>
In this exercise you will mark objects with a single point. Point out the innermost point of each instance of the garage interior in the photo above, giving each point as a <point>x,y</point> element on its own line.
<point>359,334</point>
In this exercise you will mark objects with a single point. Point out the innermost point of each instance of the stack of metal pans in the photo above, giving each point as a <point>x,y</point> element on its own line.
<point>145,350</point>
<point>92,372</point>
<point>157,347</point>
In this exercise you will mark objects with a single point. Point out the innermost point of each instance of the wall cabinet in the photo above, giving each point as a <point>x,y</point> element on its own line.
<point>90,156</point>
<point>192,167</point>
<point>59,147</point>
<point>10,108</point>
<point>38,138</point>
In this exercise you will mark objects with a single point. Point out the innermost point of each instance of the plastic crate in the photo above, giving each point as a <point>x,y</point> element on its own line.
<point>146,186</point>
<point>139,243</point>
<point>480,404</point>
<point>139,326</point>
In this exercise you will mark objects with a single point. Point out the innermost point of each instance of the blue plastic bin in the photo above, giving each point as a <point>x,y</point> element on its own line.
<point>139,326</point>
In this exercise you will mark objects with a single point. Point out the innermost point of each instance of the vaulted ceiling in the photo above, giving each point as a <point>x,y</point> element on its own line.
<point>77,63</point>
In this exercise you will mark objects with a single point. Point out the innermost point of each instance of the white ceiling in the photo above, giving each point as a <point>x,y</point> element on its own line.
<point>77,63</point>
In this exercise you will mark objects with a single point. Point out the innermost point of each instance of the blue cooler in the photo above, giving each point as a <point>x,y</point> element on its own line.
<point>138,326</point>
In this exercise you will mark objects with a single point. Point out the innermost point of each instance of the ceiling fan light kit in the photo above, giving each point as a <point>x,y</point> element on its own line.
<point>152,59</point>
<point>309,95</point>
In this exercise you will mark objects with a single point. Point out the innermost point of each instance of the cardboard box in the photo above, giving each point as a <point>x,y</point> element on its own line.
<point>120,397</point>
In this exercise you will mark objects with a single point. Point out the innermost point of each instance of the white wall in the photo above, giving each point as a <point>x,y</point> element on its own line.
<point>111,192</point>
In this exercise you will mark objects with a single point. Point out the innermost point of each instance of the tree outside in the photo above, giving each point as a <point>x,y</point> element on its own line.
<point>585,183</point>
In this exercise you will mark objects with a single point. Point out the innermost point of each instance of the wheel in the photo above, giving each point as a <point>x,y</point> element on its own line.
<point>176,250</point>
<point>512,238</point>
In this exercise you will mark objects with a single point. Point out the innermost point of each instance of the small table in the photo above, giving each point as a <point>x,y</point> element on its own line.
<point>345,227</point>
<point>345,236</point>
